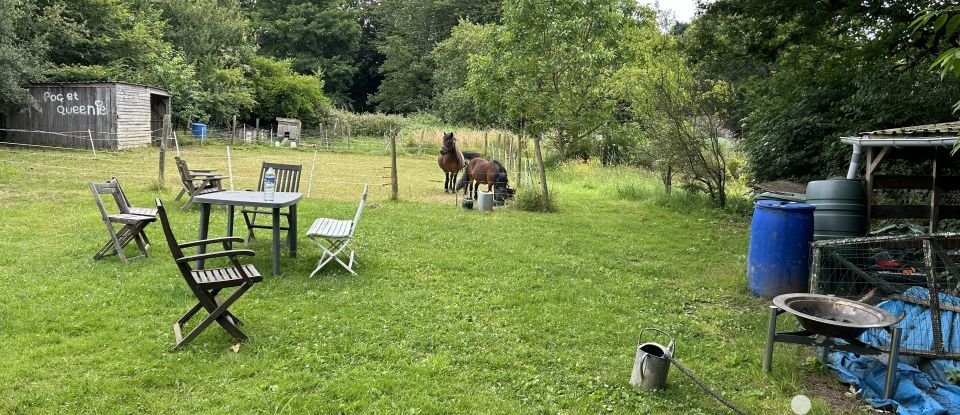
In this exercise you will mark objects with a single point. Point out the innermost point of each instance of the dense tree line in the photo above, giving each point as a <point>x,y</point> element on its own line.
<point>599,78</point>
<point>226,58</point>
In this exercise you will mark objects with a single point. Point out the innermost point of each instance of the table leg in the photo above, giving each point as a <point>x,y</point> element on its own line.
<point>771,335</point>
<point>229,220</point>
<point>292,232</point>
<point>202,234</point>
<point>276,241</point>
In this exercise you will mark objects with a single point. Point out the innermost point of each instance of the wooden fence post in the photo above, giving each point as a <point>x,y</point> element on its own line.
<point>543,174</point>
<point>519,158</point>
<point>348,137</point>
<point>394,186</point>
<point>485,153</point>
<point>164,136</point>
<point>326,139</point>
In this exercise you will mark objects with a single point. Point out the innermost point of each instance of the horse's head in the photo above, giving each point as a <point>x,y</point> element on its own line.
<point>502,180</point>
<point>449,141</point>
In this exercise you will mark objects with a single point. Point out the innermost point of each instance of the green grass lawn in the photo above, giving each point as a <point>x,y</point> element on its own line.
<point>453,311</point>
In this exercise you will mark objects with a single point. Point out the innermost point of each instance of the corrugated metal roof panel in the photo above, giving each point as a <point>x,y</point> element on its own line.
<point>945,129</point>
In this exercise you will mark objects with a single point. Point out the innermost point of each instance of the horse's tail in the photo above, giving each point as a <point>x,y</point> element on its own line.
<point>470,155</point>
<point>464,181</point>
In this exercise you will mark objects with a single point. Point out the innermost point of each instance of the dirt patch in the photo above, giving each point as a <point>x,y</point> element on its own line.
<point>834,393</point>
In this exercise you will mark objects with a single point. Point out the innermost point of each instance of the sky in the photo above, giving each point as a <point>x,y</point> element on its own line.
<point>683,9</point>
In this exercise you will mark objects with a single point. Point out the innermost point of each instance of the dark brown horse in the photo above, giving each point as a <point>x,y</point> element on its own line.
<point>451,161</point>
<point>491,173</point>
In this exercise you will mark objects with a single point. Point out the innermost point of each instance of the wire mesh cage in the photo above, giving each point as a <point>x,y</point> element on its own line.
<point>916,276</point>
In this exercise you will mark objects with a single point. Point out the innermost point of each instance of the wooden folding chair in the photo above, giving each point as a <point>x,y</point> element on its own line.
<point>288,180</point>
<point>196,182</point>
<point>131,225</point>
<point>334,236</point>
<point>142,211</point>
<point>206,284</point>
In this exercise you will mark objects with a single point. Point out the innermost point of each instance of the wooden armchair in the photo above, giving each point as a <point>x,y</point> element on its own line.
<point>197,182</point>
<point>206,284</point>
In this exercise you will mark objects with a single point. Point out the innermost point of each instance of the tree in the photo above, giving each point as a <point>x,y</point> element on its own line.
<point>280,92</point>
<point>407,31</point>
<point>318,36</point>
<point>453,102</point>
<point>217,51</point>
<point>680,117</point>
<point>551,68</point>
<point>23,48</point>
<point>945,25</point>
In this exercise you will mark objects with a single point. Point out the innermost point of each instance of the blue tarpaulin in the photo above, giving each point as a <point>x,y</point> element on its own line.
<point>926,391</point>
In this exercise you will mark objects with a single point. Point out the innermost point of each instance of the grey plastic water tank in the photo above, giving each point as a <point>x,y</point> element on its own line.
<point>841,208</point>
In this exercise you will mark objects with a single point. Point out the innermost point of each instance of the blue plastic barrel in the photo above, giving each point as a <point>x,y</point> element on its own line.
<point>199,131</point>
<point>779,258</point>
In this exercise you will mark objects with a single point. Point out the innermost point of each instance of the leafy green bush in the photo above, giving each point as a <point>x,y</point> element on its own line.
<point>528,199</point>
<point>369,125</point>
<point>280,92</point>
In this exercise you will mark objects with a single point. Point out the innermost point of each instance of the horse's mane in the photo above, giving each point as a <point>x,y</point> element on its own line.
<point>502,173</point>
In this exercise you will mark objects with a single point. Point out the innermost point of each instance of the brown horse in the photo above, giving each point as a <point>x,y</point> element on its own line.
<point>491,173</point>
<point>451,161</point>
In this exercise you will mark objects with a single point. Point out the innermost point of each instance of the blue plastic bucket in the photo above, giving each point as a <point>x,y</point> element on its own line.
<point>779,258</point>
<point>199,131</point>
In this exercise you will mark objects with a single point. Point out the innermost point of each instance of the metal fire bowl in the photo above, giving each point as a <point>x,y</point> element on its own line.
<point>833,316</point>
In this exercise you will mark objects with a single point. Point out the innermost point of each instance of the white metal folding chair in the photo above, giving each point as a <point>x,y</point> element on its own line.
<point>333,236</point>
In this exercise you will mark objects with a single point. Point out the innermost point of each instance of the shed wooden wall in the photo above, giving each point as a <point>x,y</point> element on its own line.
<point>133,116</point>
<point>65,113</point>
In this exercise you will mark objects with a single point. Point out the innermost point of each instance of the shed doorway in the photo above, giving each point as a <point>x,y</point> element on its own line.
<point>159,106</point>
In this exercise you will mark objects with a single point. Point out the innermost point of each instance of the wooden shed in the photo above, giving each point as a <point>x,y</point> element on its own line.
<point>111,115</point>
<point>922,145</point>
<point>288,129</point>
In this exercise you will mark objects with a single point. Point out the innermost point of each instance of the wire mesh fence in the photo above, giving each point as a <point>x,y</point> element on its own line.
<point>334,157</point>
<point>919,271</point>
<point>326,174</point>
<point>513,151</point>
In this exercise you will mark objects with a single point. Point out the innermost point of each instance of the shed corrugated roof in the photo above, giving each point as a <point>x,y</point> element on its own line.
<point>949,129</point>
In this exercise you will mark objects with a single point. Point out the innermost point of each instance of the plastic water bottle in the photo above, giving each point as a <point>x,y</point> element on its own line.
<point>269,184</point>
